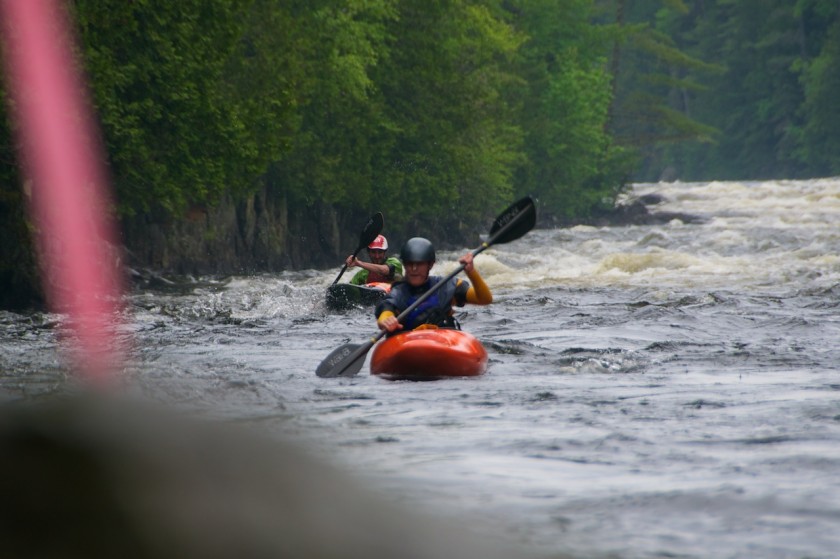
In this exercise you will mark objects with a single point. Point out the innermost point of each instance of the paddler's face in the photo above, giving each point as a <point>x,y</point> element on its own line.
<point>376,256</point>
<point>416,273</point>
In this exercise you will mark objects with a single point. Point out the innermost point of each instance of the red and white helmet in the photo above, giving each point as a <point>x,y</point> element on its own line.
<point>379,243</point>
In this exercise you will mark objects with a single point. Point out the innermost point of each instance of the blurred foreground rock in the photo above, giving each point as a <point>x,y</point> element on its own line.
<point>87,478</point>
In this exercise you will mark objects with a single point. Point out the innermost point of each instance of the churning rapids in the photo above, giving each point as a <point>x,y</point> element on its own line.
<point>653,391</point>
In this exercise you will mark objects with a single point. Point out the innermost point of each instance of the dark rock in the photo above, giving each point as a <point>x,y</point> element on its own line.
<point>633,212</point>
<point>651,199</point>
<point>258,233</point>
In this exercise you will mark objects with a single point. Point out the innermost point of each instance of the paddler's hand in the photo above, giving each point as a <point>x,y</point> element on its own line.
<point>351,261</point>
<point>467,261</point>
<point>389,324</point>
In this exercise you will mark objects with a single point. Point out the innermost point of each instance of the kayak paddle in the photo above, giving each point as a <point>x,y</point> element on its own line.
<point>372,228</point>
<point>511,224</point>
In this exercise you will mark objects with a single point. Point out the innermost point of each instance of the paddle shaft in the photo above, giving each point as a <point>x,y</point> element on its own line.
<point>344,268</point>
<point>368,234</point>
<point>361,351</point>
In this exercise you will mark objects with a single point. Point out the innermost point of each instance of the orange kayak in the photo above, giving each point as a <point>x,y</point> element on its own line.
<point>429,355</point>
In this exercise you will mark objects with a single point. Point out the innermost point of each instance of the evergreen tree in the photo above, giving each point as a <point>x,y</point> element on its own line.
<point>573,166</point>
<point>655,77</point>
<point>820,148</point>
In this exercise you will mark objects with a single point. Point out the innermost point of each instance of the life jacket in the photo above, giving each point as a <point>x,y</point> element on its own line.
<point>374,277</point>
<point>437,309</point>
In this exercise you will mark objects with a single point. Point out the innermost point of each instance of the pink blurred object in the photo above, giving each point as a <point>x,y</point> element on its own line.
<point>63,161</point>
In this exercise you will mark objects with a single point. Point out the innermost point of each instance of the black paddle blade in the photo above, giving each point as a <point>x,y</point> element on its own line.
<point>372,228</point>
<point>344,361</point>
<point>515,221</point>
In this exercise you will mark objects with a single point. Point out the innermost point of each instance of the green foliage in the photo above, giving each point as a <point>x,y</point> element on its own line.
<point>454,138</point>
<point>572,166</point>
<point>770,113</point>
<point>439,112</point>
<point>820,148</point>
<point>654,76</point>
<point>156,69</point>
<point>759,91</point>
<point>340,109</point>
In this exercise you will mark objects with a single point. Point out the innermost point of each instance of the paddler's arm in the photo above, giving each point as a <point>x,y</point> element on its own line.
<point>381,269</point>
<point>478,293</point>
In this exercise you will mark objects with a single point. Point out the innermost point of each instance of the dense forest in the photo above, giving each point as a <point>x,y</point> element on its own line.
<point>436,112</point>
<point>758,99</point>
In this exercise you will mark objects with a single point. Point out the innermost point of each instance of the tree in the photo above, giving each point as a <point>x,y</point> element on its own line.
<point>573,165</point>
<point>339,106</point>
<point>655,77</point>
<point>773,104</point>
<point>174,135</point>
<point>820,148</point>
<point>453,136</point>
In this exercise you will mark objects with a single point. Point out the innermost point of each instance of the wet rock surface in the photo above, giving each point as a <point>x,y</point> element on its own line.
<point>635,211</point>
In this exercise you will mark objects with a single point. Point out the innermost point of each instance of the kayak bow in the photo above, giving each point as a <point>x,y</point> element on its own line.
<point>429,354</point>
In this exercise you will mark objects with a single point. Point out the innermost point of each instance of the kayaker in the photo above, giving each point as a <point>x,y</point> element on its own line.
<point>380,269</point>
<point>418,256</point>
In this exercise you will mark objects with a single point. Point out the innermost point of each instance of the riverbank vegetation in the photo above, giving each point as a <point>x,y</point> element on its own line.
<point>439,112</point>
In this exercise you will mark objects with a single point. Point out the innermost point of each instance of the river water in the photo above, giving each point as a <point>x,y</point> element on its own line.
<point>665,390</point>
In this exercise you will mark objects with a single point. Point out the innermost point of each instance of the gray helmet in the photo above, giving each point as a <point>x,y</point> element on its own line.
<point>417,249</point>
